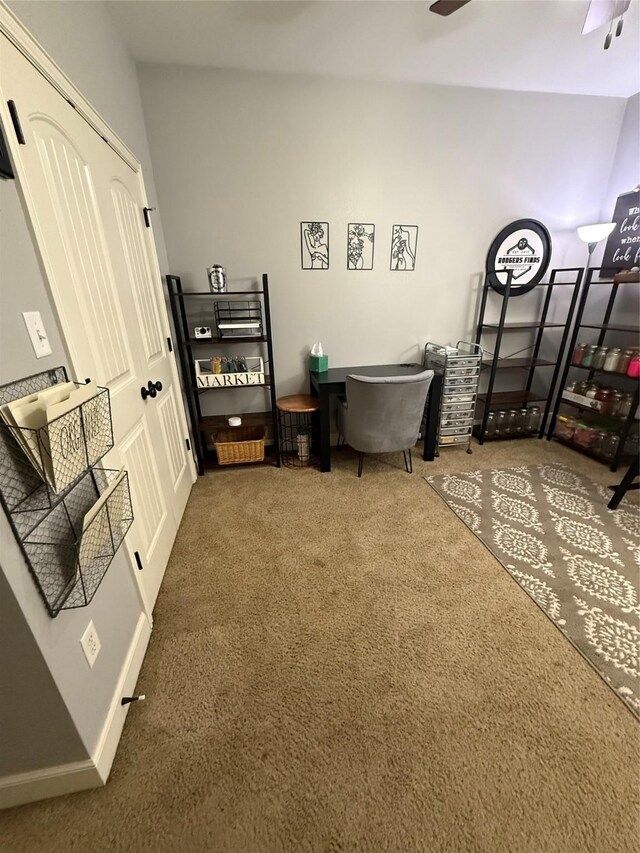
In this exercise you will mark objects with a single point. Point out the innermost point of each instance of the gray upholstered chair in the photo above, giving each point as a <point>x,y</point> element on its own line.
<point>382,414</point>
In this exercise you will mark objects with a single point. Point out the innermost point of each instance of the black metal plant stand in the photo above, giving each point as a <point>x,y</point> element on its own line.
<point>520,397</point>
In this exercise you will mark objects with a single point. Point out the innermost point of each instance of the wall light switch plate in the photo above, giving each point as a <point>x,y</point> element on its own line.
<point>90,643</point>
<point>35,327</point>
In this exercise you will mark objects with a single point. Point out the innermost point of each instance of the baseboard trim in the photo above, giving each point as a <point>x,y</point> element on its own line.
<point>105,750</point>
<point>93,772</point>
<point>51,782</point>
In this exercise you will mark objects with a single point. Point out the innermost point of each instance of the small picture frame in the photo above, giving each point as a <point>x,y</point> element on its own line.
<point>404,242</point>
<point>314,245</point>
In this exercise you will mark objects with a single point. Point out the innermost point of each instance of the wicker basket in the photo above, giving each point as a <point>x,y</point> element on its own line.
<point>239,444</point>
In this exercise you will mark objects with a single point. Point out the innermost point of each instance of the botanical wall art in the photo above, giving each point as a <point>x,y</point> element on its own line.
<point>404,239</point>
<point>360,244</point>
<point>314,245</point>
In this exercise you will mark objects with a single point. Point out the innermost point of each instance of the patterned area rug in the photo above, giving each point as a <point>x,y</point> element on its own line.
<point>580,562</point>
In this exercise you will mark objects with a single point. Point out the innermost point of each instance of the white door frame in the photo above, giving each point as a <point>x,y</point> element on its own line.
<point>17,33</point>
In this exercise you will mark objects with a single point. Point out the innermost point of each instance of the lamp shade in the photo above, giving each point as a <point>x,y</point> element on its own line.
<point>595,233</point>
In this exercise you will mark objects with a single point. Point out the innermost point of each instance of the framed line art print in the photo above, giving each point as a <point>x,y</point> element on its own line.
<point>314,245</point>
<point>404,241</point>
<point>360,245</point>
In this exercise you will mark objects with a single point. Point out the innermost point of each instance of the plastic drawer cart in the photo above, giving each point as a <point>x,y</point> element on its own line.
<point>460,368</point>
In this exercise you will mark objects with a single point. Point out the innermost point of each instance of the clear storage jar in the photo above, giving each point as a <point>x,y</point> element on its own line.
<point>533,418</point>
<point>587,358</point>
<point>599,358</point>
<point>578,354</point>
<point>612,359</point>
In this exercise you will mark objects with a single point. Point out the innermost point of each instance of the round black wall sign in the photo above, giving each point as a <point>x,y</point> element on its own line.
<point>524,247</point>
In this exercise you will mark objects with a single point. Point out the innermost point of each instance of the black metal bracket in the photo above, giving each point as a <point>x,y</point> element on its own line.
<point>147,219</point>
<point>13,112</point>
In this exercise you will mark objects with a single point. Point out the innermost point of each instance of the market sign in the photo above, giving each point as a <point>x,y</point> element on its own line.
<point>524,248</point>
<point>622,251</point>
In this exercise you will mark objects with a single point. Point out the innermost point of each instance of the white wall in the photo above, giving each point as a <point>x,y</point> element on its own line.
<point>74,700</point>
<point>240,159</point>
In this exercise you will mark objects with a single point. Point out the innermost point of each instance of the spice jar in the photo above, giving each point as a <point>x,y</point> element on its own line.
<point>501,419</point>
<point>580,388</point>
<point>578,354</point>
<point>533,419</point>
<point>611,361</point>
<point>610,445</point>
<point>604,398</point>
<point>616,403</point>
<point>584,435</point>
<point>512,421</point>
<point>600,439</point>
<point>490,429</point>
<point>624,409</point>
<point>624,361</point>
<point>634,365</point>
<point>522,421</point>
<point>591,390</point>
<point>599,358</point>
<point>571,387</point>
<point>565,427</point>
<point>587,358</point>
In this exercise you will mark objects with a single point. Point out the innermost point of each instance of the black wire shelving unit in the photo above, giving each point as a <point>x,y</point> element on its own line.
<point>492,400</point>
<point>603,329</point>
<point>191,348</point>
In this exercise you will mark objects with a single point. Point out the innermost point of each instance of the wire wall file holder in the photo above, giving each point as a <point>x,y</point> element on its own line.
<point>69,517</point>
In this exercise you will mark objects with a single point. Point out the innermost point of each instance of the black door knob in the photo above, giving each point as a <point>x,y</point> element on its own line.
<point>151,390</point>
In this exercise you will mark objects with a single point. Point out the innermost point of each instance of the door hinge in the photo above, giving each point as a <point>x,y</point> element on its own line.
<point>146,211</point>
<point>169,344</point>
<point>13,112</point>
<point>138,560</point>
<point>188,443</point>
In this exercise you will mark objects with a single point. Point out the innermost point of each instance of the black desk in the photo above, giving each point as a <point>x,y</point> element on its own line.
<point>334,380</point>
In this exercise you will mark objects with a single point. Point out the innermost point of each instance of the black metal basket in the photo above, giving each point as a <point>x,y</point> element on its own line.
<point>239,318</point>
<point>48,485</point>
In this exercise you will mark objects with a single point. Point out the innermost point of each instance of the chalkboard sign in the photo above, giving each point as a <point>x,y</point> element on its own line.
<point>622,251</point>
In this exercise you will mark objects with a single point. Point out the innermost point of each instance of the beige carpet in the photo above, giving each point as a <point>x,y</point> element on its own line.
<point>342,666</point>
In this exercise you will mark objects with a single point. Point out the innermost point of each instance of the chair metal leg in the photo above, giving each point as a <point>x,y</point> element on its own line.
<point>408,462</point>
<point>360,464</point>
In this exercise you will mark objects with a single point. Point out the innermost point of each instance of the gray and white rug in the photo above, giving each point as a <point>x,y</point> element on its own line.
<point>580,562</point>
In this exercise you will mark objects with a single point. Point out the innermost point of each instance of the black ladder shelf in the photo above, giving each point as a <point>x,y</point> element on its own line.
<point>188,346</point>
<point>519,397</point>
<point>603,328</point>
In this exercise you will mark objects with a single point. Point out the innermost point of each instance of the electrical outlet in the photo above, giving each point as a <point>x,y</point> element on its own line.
<point>90,643</point>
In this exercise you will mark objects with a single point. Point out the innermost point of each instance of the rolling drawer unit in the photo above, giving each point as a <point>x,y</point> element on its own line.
<point>460,367</point>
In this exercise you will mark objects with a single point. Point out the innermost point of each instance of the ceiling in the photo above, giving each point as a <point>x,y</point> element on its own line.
<point>523,45</point>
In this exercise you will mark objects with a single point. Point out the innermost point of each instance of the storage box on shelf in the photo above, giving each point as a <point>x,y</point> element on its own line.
<point>69,518</point>
<point>236,317</point>
<point>508,414</point>
<point>603,396</point>
<point>460,366</point>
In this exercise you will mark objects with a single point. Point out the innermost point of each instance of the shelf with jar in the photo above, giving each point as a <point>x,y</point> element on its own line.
<point>206,322</point>
<point>607,397</point>
<point>547,330</point>
<point>512,423</point>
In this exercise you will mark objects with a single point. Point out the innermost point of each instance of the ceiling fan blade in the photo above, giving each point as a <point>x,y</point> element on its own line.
<point>447,7</point>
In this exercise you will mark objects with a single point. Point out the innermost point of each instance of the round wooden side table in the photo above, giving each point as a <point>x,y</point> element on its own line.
<point>298,428</point>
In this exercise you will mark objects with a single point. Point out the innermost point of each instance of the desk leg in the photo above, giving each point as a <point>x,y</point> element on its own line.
<point>433,415</point>
<point>324,424</point>
<point>324,415</point>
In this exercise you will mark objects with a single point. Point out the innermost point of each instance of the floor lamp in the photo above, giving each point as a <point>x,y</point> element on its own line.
<point>592,235</point>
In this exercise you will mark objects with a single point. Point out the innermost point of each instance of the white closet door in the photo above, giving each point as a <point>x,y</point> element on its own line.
<point>85,206</point>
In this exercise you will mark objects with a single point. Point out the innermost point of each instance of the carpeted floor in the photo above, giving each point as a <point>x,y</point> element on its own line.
<point>342,666</point>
